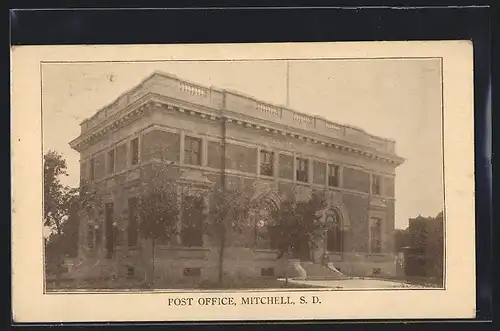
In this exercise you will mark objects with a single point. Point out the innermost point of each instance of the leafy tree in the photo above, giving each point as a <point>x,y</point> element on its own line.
<point>297,224</point>
<point>158,207</point>
<point>54,192</point>
<point>401,239</point>
<point>193,220</point>
<point>228,212</point>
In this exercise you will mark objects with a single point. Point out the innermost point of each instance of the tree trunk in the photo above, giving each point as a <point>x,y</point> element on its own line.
<point>58,227</point>
<point>221,258</point>
<point>153,260</point>
<point>287,261</point>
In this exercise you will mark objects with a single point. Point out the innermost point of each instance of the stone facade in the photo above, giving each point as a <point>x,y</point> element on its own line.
<point>266,147</point>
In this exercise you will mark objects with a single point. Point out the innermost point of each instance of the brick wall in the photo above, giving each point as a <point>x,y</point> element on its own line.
<point>149,170</point>
<point>319,172</point>
<point>388,244</point>
<point>241,158</point>
<point>214,151</point>
<point>357,238</point>
<point>83,170</point>
<point>121,157</point>
<point>355,179</point>
<point>162,145</point>
<point>389,188</point>
<point>99,166</point>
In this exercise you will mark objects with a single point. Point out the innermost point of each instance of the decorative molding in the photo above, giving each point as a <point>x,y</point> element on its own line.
<point>302,118</point>
<point>193,89</point>
<point>269,109</point>
<point>152,105</point>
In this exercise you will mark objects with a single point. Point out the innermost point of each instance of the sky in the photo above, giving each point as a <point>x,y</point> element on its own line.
<point>398,99</point>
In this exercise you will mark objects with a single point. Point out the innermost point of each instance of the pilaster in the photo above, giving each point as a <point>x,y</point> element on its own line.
<point>181,156</point>
<point>258,161</point>
<point>204,151</point>
<point>294,168</point>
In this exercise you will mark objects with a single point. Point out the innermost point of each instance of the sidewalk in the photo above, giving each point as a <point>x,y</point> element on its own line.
<point>354,283</point>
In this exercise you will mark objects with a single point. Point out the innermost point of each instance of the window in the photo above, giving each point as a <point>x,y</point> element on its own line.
<point>132,229</point>
<point>302,169</point>
<point>134,151</point>
<point>376,188</point>
<point>192,151</point>
<point>319,172</point>
<point>266,163</point>
<point>375,235</point>
<point>267,272</point>
<point>130,271</point>
<point>333,175</point>
<point>92,168</point>
<point>111,161</point>
<point>241,158</point>
<point>286,166</point>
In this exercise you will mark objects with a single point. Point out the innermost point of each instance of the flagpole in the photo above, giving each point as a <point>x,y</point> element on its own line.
<point>288,83</point>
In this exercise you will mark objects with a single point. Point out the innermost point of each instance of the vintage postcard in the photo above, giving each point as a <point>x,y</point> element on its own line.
<point>243,182</point>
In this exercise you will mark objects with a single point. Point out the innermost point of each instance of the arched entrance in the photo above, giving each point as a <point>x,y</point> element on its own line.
<point>265,205</point>
<point>334,233</point>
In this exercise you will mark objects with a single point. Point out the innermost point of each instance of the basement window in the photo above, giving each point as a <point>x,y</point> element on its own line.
<point>192,272</point>
<point>130,271</point>
<point>267,272</point>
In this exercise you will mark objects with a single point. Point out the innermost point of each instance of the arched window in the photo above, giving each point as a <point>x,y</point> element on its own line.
<point>334,233</point>
<point>264,224</point>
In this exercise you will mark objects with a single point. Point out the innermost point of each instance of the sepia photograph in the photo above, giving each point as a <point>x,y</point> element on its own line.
<point>282,179</point>
<point>200,175</point>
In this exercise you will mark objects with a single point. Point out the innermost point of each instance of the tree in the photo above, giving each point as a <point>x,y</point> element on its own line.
<point>53,191</point>
<point>297,225</point>
<point>158,207</point>
<point>401,239</point>
<point>227,214</point>
<point>193,221</point>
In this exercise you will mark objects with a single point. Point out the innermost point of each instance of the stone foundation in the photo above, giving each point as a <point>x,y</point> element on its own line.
<point>200,264</point>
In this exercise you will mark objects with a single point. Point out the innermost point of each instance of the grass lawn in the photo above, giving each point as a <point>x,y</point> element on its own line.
<point>133,284</point>
<point>421,281</point>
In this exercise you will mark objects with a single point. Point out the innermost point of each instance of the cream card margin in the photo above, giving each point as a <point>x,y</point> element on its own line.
<point>29,304</point>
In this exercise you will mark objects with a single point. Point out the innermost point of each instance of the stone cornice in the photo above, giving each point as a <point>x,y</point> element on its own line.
<point>237,104</point>
<point>152,102</point>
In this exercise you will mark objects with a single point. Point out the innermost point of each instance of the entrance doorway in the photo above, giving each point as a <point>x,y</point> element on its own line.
<point>334,233</point>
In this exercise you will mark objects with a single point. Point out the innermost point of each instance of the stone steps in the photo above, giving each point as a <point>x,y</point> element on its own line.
<point>316,271</point>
